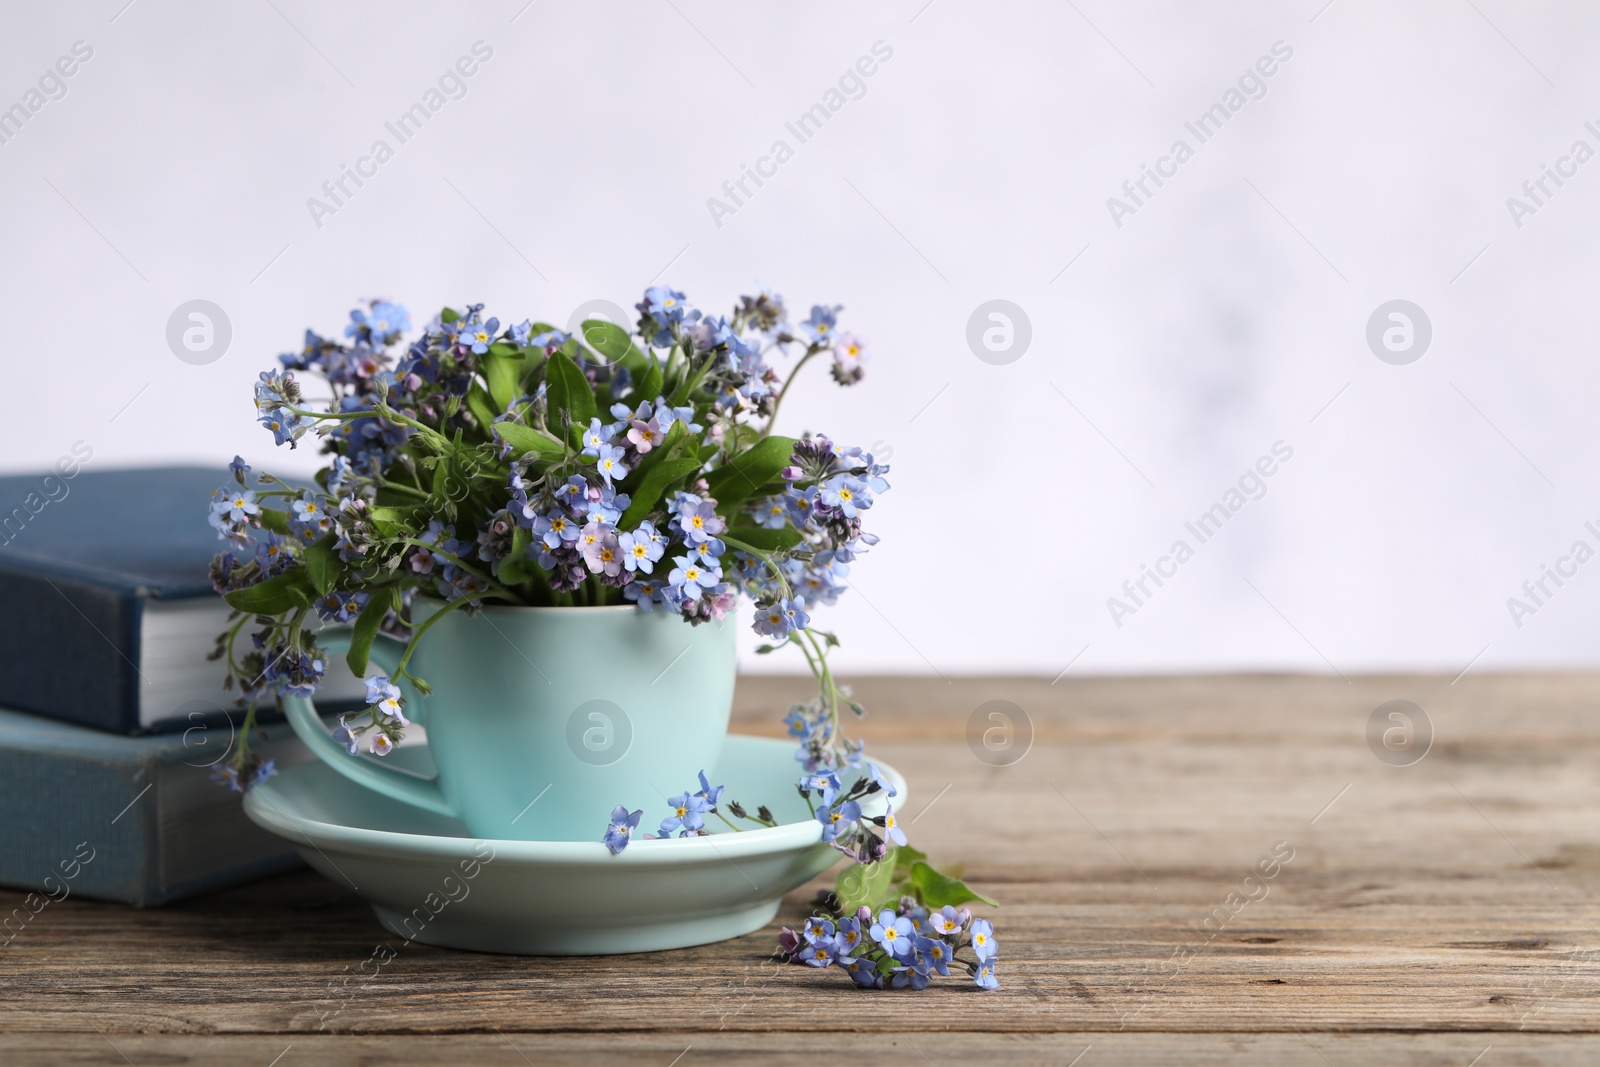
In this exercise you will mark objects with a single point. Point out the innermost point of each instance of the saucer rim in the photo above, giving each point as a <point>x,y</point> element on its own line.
<point>262,809</point>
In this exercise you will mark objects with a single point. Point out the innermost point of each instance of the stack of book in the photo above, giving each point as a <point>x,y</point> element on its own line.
<point>111,717</point>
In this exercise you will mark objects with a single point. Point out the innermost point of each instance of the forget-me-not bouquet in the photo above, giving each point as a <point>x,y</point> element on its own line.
<point>513,463</point>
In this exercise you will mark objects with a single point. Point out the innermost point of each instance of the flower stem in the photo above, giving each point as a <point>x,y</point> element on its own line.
<point>777,401</point>
<point>764,557</point>
<point>401,487</point>
<point>494,586</point>
<point>242,756</point>
<point>830,687</point>
<point>416,635</point>
<point>440,442</point>
<point>336,416</point>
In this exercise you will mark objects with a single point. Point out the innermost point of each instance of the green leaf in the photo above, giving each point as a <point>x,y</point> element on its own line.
<point>514,568</point>
<point>759,537</point>
<point>276,521</point>
<point>904,857</point>
<point>323,564</point>
<point>394,520</point>
<point>366,628</point>
<point>687,376</point>
<point>936,890</point>
<point>734,482</point>
<point>864,884</point>
<point>608,339</point>
<point>289,591</point>
<point>525,439</point>
<point>478,404</point>
<point>647,494</point>
<point>391,514</point>
<point>390,497</point>
<point>503,371</point>
<point>449,315</point>
<point>647,385</point>
<point>569,390</point>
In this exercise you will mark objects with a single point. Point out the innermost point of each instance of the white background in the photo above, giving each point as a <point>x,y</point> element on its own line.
<point>1222,317</point>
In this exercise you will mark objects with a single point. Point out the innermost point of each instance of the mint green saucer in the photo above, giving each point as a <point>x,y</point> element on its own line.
<point>430,882</point>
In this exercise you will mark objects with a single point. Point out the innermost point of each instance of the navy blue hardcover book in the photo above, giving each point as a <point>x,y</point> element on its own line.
<point>106,607</point>
<point>133,819</point>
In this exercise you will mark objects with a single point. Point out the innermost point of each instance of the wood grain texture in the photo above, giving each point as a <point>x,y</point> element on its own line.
<point>1417,914</point>
<point>689,1048</point>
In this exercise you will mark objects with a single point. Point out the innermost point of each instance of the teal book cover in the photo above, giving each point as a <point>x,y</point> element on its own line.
<point>131,819</point>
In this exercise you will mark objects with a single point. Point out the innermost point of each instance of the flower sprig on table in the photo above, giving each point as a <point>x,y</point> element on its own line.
<point>891,920</point>
<point>514,463</point>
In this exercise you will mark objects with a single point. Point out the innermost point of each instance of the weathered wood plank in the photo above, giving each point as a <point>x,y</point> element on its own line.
<point>1348,951</point>
<point>1454,895</point>
<point>694,1048</point>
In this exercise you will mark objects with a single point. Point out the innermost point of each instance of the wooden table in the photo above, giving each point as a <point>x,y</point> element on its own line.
<point>1439,913</point>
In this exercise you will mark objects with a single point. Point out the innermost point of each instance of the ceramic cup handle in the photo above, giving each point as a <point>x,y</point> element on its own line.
<point>392,782</point>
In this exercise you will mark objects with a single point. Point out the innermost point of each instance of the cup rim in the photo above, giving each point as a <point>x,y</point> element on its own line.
<point>591,608</point>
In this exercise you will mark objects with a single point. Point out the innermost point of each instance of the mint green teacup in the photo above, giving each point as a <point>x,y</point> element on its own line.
<point>542,720</point>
